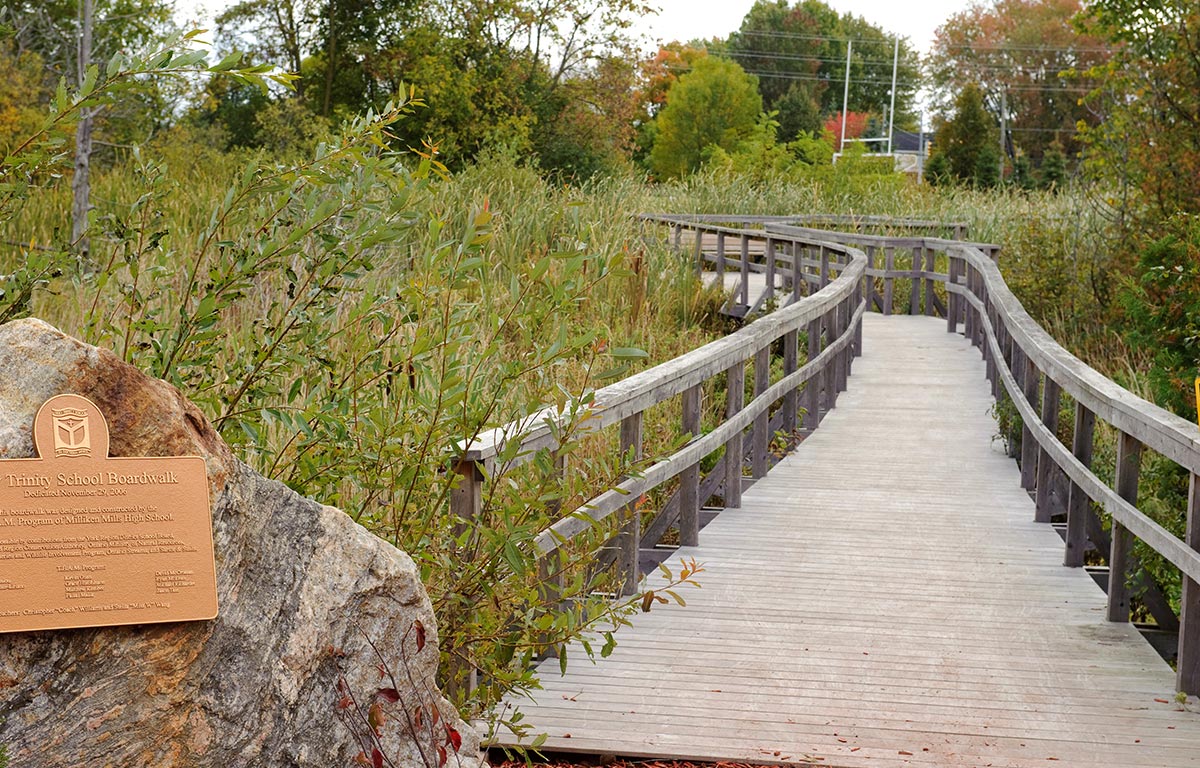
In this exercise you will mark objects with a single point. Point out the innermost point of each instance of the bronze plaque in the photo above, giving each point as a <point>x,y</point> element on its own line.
<point>88,541</point>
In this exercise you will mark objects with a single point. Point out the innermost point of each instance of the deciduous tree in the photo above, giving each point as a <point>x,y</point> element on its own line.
<point>1022,54</point>
<point>716,103</point>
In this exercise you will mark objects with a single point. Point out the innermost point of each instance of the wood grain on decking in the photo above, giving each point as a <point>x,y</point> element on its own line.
<point>883,598</point>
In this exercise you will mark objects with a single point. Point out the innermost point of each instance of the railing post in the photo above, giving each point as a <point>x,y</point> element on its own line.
<point>824,266</point>
<point>550,591</point>
<point>1077,500</point>
<point>1051,393</point>
<point>842,359</point>
<point>677,229</point>
<point>914,299</point>
<point>969,319</point>
<point>870,282</point>
<point>631,525</point>
<point>745,248</point>
<point>1129,461</point>
<point>770,294</point>
<point>699,252</point>
<point>858,299</point>
<point>889,284</point>
<point>812,387</point>
<point>1029,446</point>
<point>762,422</point>
<point>791,400</point>
<point>930,266</point>
<point>689,489</point>
<point>797,271</point>
<point>953,300</point>
<point>466,505</point>
<point>735,396</point>
<point>1188,674</point>
<point>721,259</point>
<point>829,372</point>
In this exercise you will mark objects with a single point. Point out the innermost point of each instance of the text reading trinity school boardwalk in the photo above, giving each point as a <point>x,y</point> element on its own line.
<point>886,595</point>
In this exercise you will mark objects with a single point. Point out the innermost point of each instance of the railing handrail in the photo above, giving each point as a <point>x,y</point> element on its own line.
<point>665,380</point>
<point>1159,429</point>
<point>896,221</point>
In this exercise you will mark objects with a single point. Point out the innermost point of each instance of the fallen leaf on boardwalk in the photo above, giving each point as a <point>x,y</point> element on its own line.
<point>905,752</point>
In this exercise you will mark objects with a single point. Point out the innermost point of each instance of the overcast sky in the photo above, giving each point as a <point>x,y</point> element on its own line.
<point>688,19</point>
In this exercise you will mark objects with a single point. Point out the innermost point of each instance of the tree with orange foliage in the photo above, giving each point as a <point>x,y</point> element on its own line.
<point>1017,51</point>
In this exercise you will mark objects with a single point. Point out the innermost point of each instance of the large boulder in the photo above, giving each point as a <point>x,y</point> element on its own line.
<point>319,620</point>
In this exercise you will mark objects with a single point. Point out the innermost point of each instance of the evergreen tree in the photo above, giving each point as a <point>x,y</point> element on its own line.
<point>968,141</point>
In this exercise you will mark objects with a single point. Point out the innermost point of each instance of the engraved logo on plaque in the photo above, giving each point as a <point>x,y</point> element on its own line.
<point>71,436</point>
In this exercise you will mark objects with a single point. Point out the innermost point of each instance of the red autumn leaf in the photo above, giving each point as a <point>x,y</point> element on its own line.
<point>442,756</point>
<point>453,738</point>
<point>362,759</point>
<point>345,702</point>
<point>418,716</point>
<point>390,695</point>
<point>376,758</point>
<point>437,714</point>
<point>420,629</point>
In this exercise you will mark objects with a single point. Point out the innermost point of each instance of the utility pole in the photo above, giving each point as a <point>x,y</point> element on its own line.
<point>892,110</point>
<point>1003,127</point>
<point>846,94</point>
<point>81,181</point>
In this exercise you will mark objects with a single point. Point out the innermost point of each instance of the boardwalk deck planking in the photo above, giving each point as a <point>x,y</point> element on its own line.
<point>882,598</point>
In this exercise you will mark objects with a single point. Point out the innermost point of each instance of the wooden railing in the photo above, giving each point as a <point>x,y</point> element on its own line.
<point>830,280</point>
<point>1035,371</point>
<point>825,310</point>
<point>1026,366</point>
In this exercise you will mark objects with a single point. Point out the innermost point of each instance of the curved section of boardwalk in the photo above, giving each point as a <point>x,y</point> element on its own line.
<point>883,598</point>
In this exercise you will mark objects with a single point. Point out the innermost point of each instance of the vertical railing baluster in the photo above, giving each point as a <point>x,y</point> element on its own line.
<point>791,399</point>
<point>870,282</point>
<point>1077,500</point>
<point>770,294</point>
<point>829,323</point>
<point>1129,462</point>
<point>812,388</point>
<point>735,396</point>
<point>631,525</point>
<point>953,299</point>
<point>721,259</point>
<point>930,266</point>
<point>797,272</point>
<point>1029,447</point>
<point>762,422</point>
<point>1188,669</point>
<point>914,298</point>
<point>889,283</point>
<point>466,505</point>
<point>689,489</point>
<point>1051,393</point>
<point>745,271</point>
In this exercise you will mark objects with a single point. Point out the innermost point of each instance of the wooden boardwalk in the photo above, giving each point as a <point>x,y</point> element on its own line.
<point>882,598</point>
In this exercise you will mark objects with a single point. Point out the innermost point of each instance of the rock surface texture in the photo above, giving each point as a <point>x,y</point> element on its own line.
<point>285,676</point>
